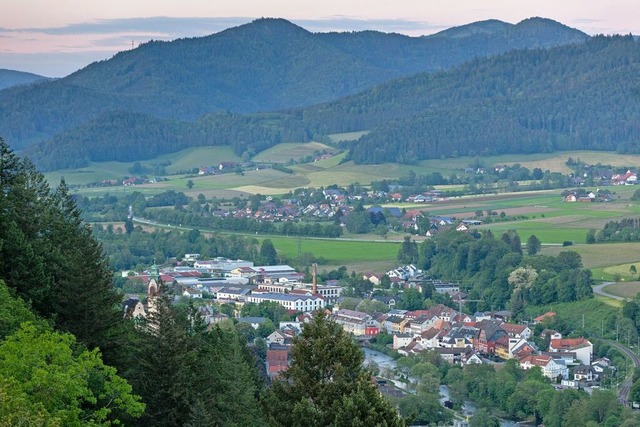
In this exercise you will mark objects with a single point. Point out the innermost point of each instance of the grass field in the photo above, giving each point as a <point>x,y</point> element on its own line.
<point>624,289</point>
<point>602,254</point>
<point>340,252</point>
<point>282,153</point>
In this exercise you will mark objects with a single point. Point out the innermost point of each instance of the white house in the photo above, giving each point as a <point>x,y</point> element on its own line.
<point>582,347</point>
<point>550,368</point>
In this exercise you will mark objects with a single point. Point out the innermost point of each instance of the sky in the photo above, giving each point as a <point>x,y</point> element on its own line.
<point>57,37</point>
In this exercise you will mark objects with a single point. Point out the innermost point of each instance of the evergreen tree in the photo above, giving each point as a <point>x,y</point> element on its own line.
<point>180,368</point>
<point>268,252</point>
<point>49,256</point>
<point>533,245</point>
<point>326,384</point>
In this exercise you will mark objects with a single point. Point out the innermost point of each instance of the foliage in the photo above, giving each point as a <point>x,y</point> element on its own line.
<point>533,245</point>
<point>484,264</point>
<point>50,258</point>
<point>624,230</point>
<point>57,382</point>
<point>190,367</point>
<point>326,384</point>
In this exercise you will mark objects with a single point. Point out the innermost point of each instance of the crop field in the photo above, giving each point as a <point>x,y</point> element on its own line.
<point>624,289</point>
<point>601,254</point>
<point>196,157</point>
<point>555,162</point>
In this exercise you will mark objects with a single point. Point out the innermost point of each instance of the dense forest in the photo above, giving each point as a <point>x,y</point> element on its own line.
<point>68,356</point>
<point>494,270</point>
<point>542,100</point>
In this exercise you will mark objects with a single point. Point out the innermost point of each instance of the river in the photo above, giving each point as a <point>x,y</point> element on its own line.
<point>385,362</point>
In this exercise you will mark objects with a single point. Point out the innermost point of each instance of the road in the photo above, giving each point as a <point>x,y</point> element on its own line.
<point>625,388</point>
<point>599,290</point>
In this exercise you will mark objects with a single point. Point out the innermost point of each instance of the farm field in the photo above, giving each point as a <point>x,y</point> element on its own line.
<point>624,289</point>
<point>602,254</point>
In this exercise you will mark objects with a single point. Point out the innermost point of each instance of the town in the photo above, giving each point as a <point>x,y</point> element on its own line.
<point>455,336</point>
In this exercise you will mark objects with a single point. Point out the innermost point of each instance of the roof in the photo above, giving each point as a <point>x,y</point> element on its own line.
<point>569,343</point>
<point>252,320</point>
<point>544,316</point>
<point>512,328</point>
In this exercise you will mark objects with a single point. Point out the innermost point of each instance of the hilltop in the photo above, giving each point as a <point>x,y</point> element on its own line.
<point>10,78</point>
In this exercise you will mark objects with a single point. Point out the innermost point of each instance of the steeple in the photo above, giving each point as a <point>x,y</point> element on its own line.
<point>153,286</point>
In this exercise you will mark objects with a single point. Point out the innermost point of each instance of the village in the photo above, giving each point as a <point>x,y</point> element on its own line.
<point>456,337</point>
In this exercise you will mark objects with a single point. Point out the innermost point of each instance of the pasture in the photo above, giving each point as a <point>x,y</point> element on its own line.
<point>624,289</point>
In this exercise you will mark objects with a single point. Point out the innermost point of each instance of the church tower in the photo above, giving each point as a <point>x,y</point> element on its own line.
<point>153,288</point>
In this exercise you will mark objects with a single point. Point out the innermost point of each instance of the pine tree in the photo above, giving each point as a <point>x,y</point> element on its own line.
<point>49,256</point>
<point>326,384</point>
<point>180,368</point>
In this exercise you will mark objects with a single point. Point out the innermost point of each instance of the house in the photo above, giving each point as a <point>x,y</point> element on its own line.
<point>373,278</point>
<point>430,338</point>
<point>277,360</point>
<point>551,368</point>
<point>303,303</point>
<point>600,367</point>
<point>388,300</point>
<point>516,331</point>
<point>489,333</point>
<point>471,358</point>
<point>277,337</point>
<point>582,347</point>
<point>355,322</point>
<point>462,227</point>
<point>542,317</point>
<point>583,373</point>
<point>394,324</point>
<point>192,293</point>
<point>401,340</point>
<point>551,334</point>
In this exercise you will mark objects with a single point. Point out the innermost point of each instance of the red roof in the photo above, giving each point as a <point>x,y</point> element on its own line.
<point>568,344</point>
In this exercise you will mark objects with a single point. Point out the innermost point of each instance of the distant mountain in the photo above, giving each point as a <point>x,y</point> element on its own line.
<point>266,65</point>
<point>9,78</point>
<point>583,96</point>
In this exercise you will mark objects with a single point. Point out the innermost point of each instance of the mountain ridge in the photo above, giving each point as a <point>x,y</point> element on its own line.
<point>268,64</point>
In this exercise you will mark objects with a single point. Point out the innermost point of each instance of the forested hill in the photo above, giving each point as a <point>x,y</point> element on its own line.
<point>266,65</point>
<point>584,96</point>
<point>9,78</point>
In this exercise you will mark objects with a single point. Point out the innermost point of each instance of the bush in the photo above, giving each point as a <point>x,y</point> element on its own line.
<point>567,243</point>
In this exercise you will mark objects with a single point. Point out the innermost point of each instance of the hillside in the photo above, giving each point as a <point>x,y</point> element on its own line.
<point>9,78</point>
<point>266,65</point>
<point>577,97</point>
<point>572,97</point>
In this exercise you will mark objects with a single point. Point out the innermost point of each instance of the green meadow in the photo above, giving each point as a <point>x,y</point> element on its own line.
<point>543,213</point>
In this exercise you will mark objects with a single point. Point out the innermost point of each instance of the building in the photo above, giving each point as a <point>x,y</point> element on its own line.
<point>356,322</point>
<point>550,367</point>
<point>303,303</point>
<point>582,347</point>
